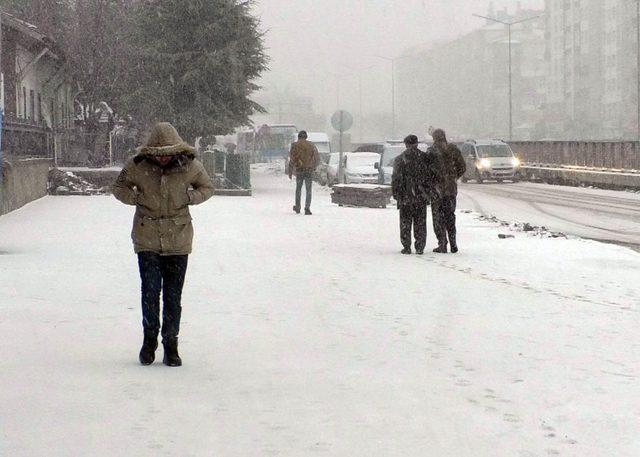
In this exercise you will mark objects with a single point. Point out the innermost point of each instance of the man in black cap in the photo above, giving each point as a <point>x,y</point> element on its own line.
<point>410,187</point>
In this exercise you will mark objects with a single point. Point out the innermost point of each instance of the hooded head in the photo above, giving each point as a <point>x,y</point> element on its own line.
<point>164,140</point>
<point>439,136</point>
<point>410,141</point>
<point>302,135</point>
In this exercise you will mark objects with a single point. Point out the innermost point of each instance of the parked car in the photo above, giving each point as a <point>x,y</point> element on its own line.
<point>490,160</point>
<point>370,147</point>
<point>322,143</point>
<point>359,167</point>
<point>331,170</point>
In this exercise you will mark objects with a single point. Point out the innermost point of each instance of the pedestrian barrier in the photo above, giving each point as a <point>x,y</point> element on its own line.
<point>231,173</point>
<point>606,164</point>
<point>601,155</point>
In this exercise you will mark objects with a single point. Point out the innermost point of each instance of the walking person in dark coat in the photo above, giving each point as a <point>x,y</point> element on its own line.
<point>410,187</point>
<point>449,166</point>
<point>162,181</point>
<point>303,160</point>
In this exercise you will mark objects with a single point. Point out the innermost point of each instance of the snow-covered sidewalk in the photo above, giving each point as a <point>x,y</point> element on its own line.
<point>314,336</point>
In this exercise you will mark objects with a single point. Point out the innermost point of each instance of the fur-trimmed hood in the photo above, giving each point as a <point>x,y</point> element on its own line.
<point>164,140</point>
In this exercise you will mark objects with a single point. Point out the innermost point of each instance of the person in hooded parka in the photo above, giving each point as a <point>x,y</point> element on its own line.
<point>450,166</point>
<point>162,180</point>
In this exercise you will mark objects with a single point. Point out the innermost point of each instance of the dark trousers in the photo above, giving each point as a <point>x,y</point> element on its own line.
<point>306,178</point>
<point>413,215</point>
<point>162,274</point>
<point>443,210</point>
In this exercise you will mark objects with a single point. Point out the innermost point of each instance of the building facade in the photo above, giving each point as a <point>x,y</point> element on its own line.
<point>35,88</point>
<point>463,85</point>
<point>592,69</point>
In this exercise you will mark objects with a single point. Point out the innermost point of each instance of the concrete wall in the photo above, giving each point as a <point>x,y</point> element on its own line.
<point>23,181</point>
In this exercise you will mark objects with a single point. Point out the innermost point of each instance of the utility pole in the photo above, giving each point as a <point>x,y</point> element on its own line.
<point>360,114</point>
<point>509,24</point>
<point>393,93</point>
<point>359,71</point>
<point>393,98</point>
<point>638,66</point>
<point>1,110</point>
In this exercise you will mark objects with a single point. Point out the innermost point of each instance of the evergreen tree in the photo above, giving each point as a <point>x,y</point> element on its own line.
<point>196,64</point>
<point>99,54</point>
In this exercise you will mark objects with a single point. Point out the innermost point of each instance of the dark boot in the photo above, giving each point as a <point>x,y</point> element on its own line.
<point>296,209</point>
<point>406,251</point>
<point>148,350</point>
<point>453,243</point>
<point>171,357</point>
<point>307,212</point>
<point>441,249</point>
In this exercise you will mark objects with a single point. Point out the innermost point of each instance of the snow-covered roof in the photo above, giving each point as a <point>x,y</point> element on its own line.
<point>32,31</point>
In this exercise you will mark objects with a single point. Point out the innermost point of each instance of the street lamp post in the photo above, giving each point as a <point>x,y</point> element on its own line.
<point>393,93</point>
<point>509,24</point>
<point>360,109</point>
<point>638,65</point>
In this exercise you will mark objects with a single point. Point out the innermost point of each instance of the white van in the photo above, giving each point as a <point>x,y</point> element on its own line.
<point>321,140</point>
<point>322,143</point>
<point>490,160</point>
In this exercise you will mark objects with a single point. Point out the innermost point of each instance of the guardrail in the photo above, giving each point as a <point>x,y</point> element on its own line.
<point>596,155</point>
<point>582,176</point>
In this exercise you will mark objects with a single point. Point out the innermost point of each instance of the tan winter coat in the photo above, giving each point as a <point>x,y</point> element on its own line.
<point>162,195</point>
<point>303,156</point>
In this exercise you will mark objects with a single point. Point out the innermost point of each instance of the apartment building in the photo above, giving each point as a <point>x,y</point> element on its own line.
<point>591,69</point>
<point>463,84</point>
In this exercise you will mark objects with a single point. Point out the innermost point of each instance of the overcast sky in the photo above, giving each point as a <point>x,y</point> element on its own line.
<point>309,41</point>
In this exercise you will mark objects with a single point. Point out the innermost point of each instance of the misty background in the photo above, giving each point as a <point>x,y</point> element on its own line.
<point>321,51</point>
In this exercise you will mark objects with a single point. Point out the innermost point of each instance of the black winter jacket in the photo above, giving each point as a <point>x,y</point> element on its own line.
<point>449,166</point>
<point>411,182</point>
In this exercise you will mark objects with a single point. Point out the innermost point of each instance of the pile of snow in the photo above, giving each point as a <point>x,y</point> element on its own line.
<point>68,183</point>
<point>276,168</point>
<point>524,227</point>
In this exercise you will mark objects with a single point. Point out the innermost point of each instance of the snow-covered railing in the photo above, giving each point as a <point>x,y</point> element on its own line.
<point>598,155</point>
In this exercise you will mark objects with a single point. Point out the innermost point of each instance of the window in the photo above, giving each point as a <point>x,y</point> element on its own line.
<point>39,106</point>
<point>24,102</point>
<point>32,105</point>
<point>52,112</point>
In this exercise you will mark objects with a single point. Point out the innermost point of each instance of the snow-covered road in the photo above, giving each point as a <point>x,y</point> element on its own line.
<point>606,215</point>
<point>313,336</point>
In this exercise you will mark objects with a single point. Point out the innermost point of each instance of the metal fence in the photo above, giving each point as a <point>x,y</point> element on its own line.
<point>68,147</point>
<point>591,154</point>
<point>235,169</point>
<point>24,139</point>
